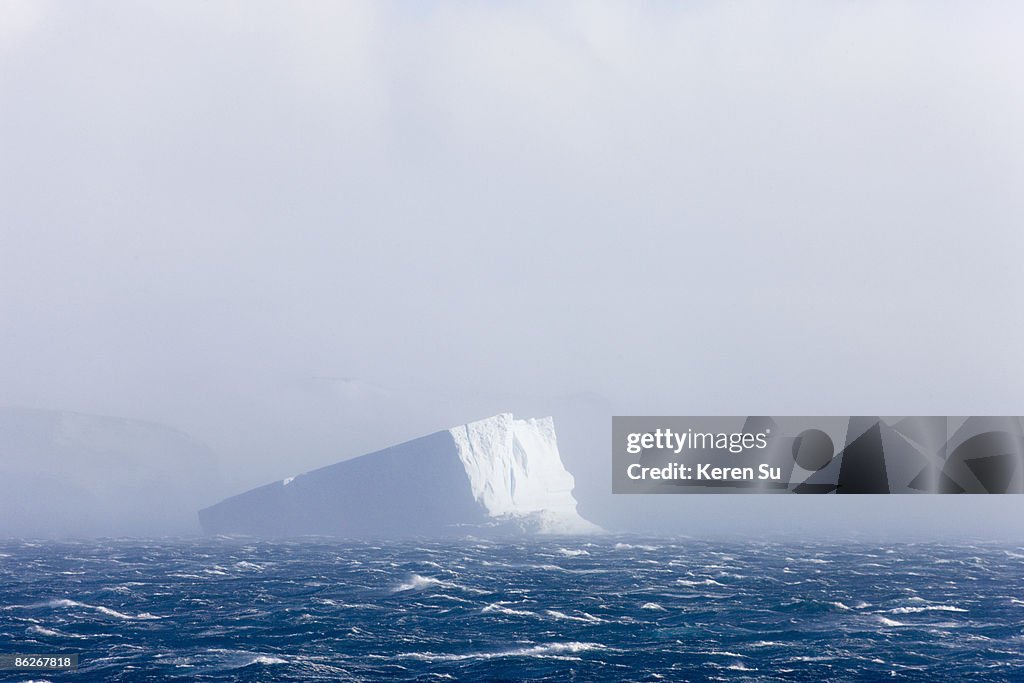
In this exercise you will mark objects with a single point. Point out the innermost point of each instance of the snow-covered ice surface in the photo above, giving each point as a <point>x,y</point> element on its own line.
<point>497,475</point>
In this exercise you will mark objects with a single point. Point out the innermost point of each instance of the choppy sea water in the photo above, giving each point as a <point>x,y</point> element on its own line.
<point>613,608</point>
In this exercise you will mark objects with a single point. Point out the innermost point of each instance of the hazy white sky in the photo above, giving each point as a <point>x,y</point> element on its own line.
<point>682,207</point>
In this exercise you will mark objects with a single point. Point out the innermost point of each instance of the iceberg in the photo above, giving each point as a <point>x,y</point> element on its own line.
<point>76,475</point>
<point>500,474</point>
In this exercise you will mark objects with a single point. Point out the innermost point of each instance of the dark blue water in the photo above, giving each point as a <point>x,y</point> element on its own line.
<point>560,609</point>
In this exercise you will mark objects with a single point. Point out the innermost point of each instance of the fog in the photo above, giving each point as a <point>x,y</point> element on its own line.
<point>299,232</point>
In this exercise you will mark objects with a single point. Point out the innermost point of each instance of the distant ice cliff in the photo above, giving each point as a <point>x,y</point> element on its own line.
<point>70,474</point>
<point>499,474</point>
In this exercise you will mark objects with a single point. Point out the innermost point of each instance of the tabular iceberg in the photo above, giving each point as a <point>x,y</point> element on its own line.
<point>498,474</point>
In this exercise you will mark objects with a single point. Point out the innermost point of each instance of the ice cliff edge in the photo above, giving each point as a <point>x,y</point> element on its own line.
<point>498,474</point>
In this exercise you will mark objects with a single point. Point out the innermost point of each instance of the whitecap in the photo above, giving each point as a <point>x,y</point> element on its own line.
<point>585,617</point>
<point>547,650</point>
<point>500,608</point>
<point>42,631</point>
<point>809,658</point>
<point>705,582</point>
<point>630,546</point>
<point>251,566</point>
<point>65,603</point>
<point>926,608</point>
<point>419,582</point>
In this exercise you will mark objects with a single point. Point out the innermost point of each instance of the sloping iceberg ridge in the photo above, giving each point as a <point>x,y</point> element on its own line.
<point>499,474</point>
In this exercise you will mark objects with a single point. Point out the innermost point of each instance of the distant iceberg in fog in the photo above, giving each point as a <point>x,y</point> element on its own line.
<point>498,474</point>
<point>70,474</point>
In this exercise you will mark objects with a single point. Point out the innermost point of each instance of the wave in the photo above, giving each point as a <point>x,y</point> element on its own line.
<point>68,604</point>
<point>453,598</point>
<point>43,631</point>
<point>249,566</point>
<point>653,606</point>
<point>638,546</point>
<point>927,608</point>
<point>704,582</point>
<point>51,633</point>
<point>586,618</point>
<point>569,552</point>
<point>547,650</point>
<point>500,608</point>
<point>890,622</point>
<point>810,658</point>
<point>345,605</point>
<point>418,582</point>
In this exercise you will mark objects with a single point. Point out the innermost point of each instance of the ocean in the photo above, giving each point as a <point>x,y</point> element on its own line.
<point>610,608</point>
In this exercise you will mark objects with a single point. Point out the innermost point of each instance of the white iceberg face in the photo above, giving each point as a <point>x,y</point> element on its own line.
<point>500,473</point>
<point>515,470</point>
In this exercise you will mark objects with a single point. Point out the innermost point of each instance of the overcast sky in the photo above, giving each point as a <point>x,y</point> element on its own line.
<point>683,208</point>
